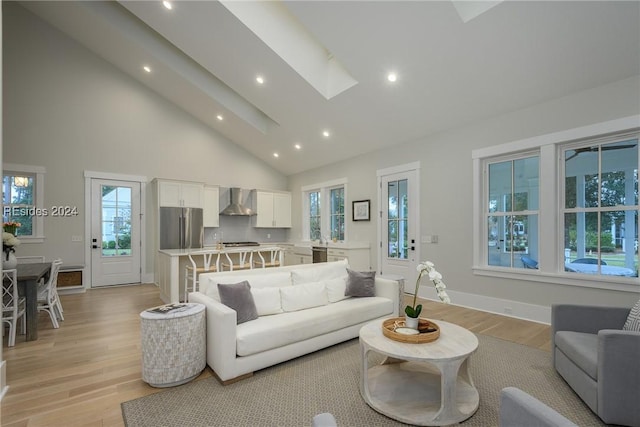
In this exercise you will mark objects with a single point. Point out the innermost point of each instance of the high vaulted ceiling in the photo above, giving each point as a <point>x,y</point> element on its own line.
<point>450,72</point>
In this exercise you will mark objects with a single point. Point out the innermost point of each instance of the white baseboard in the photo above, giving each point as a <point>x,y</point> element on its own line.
<point>3,379</point>
<point>148,278</point>
<point>504,307</point>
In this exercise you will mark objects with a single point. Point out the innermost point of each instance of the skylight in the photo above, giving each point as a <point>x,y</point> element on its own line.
<point>472,9</point>
<point>276,26</point>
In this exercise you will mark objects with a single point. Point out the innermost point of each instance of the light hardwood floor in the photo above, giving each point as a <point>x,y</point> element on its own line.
<point>79,374</point>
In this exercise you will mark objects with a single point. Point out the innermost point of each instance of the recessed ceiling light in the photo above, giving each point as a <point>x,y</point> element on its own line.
<point>326,133</point>
<point>276,155</point>
<point>392,77</point>
<point>167,4</point>
<point>298,146</point>
<point>147,68</point>
<point>260,79</point>
<point>219,117</point>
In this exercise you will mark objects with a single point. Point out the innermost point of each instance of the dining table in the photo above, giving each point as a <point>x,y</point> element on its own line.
<point>29,275</point>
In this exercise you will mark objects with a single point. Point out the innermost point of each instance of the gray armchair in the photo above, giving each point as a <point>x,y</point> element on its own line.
<point>598,359</point>
<point>519,409</point>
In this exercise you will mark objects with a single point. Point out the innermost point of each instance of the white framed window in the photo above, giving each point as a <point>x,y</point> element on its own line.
<point>22,199</point>
<point>600,206</point>
<point>324,211</point>
<point>560,208</point>
<point>511,211</point>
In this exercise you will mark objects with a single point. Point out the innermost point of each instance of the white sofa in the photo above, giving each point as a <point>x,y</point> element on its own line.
<point>285,329</point>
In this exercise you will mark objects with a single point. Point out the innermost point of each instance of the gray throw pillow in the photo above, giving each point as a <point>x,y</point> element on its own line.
<point>238,297</point>
<point>360,284</point>
<point>633,320</point>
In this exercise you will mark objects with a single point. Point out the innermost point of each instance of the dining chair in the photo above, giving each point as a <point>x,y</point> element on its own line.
<point>210,263</point>
<point>13,306</point>
<point>48,299</point>
<point>270,257</point>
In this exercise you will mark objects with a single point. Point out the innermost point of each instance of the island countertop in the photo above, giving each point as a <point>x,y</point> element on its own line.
<point>212,249</point>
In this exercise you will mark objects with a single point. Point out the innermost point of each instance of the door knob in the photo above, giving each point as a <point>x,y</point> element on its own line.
<point>94,246</point>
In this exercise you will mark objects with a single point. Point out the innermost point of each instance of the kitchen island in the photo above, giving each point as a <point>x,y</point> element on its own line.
<point>170,265</point>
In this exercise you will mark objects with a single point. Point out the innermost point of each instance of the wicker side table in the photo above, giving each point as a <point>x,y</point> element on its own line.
<point>173,345</point>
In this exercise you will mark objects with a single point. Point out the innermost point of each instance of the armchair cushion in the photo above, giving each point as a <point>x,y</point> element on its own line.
<point>581,348</point>
<point>519,409</point>
<point>633,320</point>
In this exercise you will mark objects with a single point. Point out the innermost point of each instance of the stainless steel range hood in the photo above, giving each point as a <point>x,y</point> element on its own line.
<point>236,208</point>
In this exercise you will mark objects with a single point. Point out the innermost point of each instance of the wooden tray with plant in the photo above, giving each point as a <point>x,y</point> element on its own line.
<point>395,329</point>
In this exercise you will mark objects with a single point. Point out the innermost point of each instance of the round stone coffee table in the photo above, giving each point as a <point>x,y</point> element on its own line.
<point>421,384</point>
<point>173,345</point>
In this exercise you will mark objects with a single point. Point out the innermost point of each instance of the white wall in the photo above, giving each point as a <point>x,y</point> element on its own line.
<point>69,110</point>
<point>446,190</point>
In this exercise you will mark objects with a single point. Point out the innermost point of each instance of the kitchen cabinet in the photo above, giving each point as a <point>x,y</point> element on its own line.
<point>180,194</point>
<point>358,258</point>
<point>291,258</point>
<point>294,255</point>
<point>273,209</point>
<point>211,207</point>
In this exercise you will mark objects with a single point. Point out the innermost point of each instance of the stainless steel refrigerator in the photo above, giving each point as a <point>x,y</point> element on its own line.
<point>181,228</point>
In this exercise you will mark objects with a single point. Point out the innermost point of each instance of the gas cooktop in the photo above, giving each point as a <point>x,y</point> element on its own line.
<point>237,244</point>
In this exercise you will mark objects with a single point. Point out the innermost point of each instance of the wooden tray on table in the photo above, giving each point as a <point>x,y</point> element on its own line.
<point>427,331</point>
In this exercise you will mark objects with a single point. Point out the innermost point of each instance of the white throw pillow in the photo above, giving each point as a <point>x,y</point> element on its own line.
<point>299,297</point>
<point>319,272</point>
<point>336,288</point>
<point>267,300</point>
<point>256,280</point>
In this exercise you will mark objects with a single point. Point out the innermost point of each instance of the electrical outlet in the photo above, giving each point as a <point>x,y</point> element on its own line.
<point>268,236</point>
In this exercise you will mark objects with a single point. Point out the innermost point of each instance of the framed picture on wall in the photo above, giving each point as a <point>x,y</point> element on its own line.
<point>360,210</point>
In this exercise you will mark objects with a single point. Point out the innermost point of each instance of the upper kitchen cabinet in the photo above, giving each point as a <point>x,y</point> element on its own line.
<point>273,209</point>
<point>181,194</point>
<point>211,212</point>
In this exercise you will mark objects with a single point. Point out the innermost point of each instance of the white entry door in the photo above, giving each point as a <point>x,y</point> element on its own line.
<point>399,224</point>
<point>115,232</point>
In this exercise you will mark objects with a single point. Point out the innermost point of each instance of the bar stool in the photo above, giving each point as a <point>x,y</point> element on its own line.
<point>192,271</point>
<point>273,258</point>
<point>245,260</point>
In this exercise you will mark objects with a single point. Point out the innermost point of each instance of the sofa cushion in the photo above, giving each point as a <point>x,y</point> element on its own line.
<point>268,332</point>
<point>259,278</point>
<point>267,300</point>
<point>360,284</point>
<point>319,272</point>
<point>294,298</point>
<point>633,320</point>
<point>336,289</point>
<point>238,297</point>
<point>581,348</point>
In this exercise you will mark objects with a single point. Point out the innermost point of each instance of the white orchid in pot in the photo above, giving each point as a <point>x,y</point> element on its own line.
<point>413,311</point>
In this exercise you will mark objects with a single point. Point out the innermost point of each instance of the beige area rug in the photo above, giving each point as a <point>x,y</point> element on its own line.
<point>291,393</point>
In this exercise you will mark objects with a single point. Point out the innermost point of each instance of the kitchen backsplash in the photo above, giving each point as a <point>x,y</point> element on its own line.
<point>239,229</point>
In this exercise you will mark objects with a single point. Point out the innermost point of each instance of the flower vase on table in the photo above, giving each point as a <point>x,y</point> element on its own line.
<point>9,242</point>
<point>412,312</point>
<point>9,261</point>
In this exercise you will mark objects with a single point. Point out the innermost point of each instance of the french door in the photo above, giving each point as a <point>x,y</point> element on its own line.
<point>115,232</point>
<point>399,223</point>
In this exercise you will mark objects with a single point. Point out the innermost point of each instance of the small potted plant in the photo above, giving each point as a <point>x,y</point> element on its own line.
<point>412,312</point>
